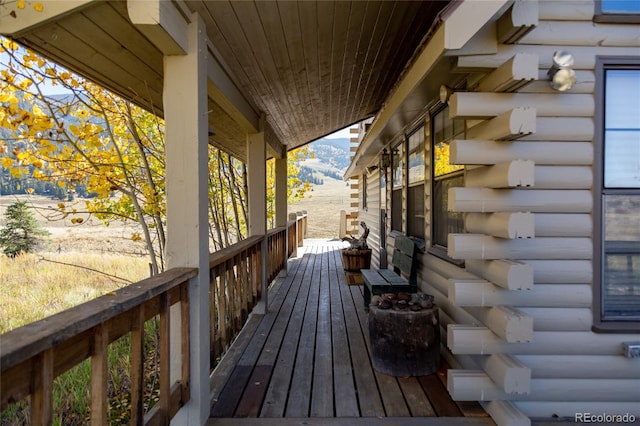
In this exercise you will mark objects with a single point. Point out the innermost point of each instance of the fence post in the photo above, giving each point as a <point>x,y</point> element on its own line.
<point>343,224</point>
<point>294,217</point>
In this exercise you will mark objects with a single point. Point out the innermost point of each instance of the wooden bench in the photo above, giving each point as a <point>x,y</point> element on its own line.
<point>393,281</point>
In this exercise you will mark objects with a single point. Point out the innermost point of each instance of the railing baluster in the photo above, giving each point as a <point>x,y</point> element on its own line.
<point>165,360</point>
<point>137,366</point>
<point>99,396</point>
<point>42,382</point>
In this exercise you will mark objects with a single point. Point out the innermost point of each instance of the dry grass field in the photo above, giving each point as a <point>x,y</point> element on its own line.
<point>323,206</point>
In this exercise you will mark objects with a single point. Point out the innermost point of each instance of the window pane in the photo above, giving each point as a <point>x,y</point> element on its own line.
<point>441,166</point>
<point>415,211</point>
<point>416,156</point>
<point>621,269</point>
<point>622,129</point>
<point>397,166</point>
<point>621,6</point>
<point>396,209</point>
<point>444,221</point>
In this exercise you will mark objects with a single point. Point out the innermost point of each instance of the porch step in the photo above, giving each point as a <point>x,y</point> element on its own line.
<point>352,421</point>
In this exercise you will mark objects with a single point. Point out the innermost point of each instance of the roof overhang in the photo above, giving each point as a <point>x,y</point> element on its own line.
<point>429,70</point>
<point>304,69</point>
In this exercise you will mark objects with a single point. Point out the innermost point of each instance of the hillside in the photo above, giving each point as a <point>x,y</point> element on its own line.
<point>331,160</point>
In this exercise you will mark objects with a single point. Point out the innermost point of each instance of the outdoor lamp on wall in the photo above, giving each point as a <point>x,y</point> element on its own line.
<point>561,75</point>
<point>385,160</point>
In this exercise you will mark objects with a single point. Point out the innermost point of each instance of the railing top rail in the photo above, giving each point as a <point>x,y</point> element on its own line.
<point>273,231</point>
<point>227,253</point>
<point>26,341</point>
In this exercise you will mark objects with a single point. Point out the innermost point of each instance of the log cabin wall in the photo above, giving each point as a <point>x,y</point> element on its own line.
<point>370,213</point>
<point>517,317</point>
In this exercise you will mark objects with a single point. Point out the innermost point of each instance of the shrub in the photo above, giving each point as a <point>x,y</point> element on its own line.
<point>21,231</point>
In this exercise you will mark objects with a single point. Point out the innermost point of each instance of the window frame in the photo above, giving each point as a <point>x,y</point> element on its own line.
<point>365,207</point>
<point>600,324</point>
<point>602,16</point>
<point>415,184</point>
<point>396,216</point>
<point>440,250</point>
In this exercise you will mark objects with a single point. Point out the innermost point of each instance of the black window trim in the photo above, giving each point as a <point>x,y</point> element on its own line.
<point>602,16</point>
<point>604,63</point>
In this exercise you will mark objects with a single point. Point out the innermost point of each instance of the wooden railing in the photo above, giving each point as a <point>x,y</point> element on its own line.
<point>35,354</point>
<point>235,280</point>
<point>235,285</point>
<point>276,247</point>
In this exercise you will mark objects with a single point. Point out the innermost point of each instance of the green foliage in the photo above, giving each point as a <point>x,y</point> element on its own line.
<point>21,231</point>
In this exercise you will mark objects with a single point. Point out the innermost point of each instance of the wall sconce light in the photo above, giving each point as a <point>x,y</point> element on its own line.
<point>445,93</point>
<point>385,159</point>
<point>561,75</point>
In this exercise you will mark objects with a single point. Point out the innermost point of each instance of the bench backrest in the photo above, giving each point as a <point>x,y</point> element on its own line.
<point>404,258</point>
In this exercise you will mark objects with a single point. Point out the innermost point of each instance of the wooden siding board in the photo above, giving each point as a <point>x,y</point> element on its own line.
<point>578,33</point>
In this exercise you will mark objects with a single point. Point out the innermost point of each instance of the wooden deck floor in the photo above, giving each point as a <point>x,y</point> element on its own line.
<point>307,361</point>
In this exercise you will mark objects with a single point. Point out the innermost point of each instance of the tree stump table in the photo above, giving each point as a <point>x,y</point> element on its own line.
<point>404,342</point>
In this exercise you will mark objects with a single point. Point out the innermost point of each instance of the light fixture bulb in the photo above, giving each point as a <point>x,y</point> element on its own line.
<point>561,76</point>
<point>562,59</point>
<point>563,79</point>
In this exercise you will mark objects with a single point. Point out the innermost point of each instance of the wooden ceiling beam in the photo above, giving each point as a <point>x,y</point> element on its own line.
<point>162,23</point>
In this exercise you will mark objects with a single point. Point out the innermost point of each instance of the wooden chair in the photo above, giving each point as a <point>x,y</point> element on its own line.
<point>403,277</point>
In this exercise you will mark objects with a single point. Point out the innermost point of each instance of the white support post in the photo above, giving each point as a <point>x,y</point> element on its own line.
<point>281,201</point>
<point>257,199</point>
<point>185,108</point>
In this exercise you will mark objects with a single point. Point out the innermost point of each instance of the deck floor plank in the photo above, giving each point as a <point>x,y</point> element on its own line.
<point>309,358</point>
<point>232,393</point>
<point>276,397</point>
<point>368,393</point>
<point>344,389</point>
<point>392,397</point>
<point>322,389</point>
<point>299,400</point>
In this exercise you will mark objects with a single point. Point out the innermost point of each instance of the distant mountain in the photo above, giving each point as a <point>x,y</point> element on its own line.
<point>331,160</point>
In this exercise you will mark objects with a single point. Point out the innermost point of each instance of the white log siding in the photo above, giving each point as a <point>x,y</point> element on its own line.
<point>516,319</point>
<point>531,297</point>
<point>371,214</point>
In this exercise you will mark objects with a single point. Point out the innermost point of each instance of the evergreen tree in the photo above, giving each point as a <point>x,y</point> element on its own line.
<point>21,230</point>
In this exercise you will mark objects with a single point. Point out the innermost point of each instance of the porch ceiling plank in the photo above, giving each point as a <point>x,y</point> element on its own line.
<point>265,52</point>
<point>290,22</point>
<point>328,13</point>
<point>342,16</point>
<point>100,36</point>
<point>361,28</point>
<point>308,14</point>
<point>114,19</point>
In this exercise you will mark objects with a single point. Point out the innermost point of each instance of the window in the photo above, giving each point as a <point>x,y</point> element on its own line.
<point>396,188</point>
<point>617,203</point>
<point>364,191</point>
<point>444,176</point>
<point>415,191</point>
<point>617,11</point>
